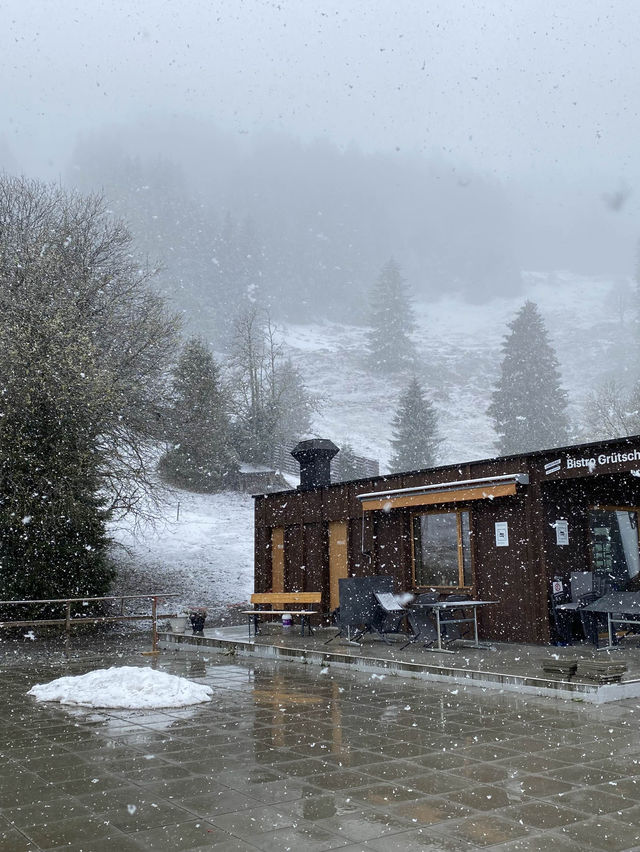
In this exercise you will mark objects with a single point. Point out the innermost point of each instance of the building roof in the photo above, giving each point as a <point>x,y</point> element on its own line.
<point>610,442</point>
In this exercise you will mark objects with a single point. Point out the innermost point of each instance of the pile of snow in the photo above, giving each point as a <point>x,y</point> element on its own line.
<point>125,687</point>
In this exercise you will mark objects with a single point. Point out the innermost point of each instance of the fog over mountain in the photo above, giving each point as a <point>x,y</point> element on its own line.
<point>294,147</point>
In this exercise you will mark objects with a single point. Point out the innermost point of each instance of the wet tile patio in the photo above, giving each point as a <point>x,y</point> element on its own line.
<point>498,665</point>
<point>289,756</point>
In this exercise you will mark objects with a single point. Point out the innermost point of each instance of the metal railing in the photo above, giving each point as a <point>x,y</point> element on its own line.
<point>70,620</point>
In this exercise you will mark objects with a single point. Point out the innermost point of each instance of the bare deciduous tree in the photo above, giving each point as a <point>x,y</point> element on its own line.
<point>612,411</point>
<point>272,406</point>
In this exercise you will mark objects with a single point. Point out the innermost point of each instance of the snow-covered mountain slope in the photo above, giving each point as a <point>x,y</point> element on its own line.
<point>589,322</point>
<point>207,554</point>
<point>201,549</point>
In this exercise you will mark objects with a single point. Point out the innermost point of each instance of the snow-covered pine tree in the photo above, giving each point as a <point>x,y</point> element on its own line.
<point>528,405</point>
<point>389,341</point>
<point>201,458</point>
<point>415,430</point>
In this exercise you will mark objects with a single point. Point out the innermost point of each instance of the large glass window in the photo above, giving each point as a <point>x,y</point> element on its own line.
<point>442,550</point>
<point>614,545</point>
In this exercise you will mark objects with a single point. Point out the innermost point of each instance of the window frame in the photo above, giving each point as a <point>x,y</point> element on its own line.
<point>458,511</point>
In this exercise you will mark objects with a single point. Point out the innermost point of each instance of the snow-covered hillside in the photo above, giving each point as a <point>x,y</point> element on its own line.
<point>207,554</point>
<point>459,345</point>
<point>201,549</point>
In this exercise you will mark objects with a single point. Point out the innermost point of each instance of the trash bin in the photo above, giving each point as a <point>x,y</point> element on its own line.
<point>178,624</point>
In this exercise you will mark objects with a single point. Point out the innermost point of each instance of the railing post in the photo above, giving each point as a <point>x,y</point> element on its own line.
<point>154,614</point>
<point>67,625</point>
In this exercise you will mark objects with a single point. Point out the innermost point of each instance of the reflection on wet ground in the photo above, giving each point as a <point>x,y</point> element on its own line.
<point>288,757</point>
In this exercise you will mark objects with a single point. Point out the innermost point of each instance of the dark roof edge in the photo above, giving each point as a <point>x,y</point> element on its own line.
<point>533,453</point>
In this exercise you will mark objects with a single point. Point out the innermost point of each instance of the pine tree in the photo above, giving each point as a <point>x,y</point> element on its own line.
<point>415,430</point>
<point>528,406</point>
<point>202,458</point>
<point>53,541</point>
<point>389,343</point>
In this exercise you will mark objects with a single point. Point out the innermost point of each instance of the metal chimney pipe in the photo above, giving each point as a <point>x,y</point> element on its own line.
<point>314,457</point>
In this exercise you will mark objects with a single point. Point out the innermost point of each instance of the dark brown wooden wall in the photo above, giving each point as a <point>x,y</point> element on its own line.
<point>505,574</point>
<point>517,576</point>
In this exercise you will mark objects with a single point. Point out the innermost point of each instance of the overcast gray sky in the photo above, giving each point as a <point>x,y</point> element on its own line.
<point>526,87</point>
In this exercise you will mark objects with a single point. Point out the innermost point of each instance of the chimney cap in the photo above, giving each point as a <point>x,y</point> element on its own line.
<point>316,446</point>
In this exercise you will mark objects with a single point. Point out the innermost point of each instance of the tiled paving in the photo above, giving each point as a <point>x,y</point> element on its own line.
<point>495,665</point>
<point>294,757</point>
<point>507,657</point>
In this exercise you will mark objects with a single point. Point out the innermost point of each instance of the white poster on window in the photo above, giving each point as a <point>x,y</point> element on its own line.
<point>502,534</point>
<point>562,532</point>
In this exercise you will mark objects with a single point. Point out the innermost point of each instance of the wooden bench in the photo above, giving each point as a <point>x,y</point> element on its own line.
<point>282,603</point>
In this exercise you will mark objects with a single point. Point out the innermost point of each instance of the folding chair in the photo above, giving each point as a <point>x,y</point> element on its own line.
<point>389,607</point>
<point>421,620</point>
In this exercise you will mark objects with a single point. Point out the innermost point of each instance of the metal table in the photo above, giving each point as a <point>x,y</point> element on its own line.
<point>440,605</point>
<point>620,607</point>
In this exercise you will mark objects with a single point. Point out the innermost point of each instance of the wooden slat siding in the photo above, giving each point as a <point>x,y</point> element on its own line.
<point>315,559</point>
<point>277,559</point>
<point>311,510</point>
<point>389,530</point>
<point>368,560</point>
<point>561,561</point>
<point>286,598</point>
<point>336,505</point>
<point>338,559</point>
<point>536,567</point>
<point>294,558</point>
<point>461,495</point>
<point>356,558</point>
<point>406,552</point>
<point>504,574</point>
<point>262,559</point>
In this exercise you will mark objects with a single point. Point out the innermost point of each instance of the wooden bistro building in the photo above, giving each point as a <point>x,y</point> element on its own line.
<point>500,529</point>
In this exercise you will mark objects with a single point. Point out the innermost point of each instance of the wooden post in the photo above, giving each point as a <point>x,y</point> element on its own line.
<point>67,626</point>
<point>154,615</point>
<point>154,627</point>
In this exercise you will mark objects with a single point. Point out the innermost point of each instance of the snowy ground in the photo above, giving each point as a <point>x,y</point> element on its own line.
<point>207,554</point>
<point>203,551</point>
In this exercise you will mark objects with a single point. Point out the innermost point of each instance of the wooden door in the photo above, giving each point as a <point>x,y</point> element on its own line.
<point>277,559</point>
<point>338,559</point>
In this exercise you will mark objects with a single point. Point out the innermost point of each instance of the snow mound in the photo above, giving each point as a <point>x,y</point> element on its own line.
<point>126,687</point>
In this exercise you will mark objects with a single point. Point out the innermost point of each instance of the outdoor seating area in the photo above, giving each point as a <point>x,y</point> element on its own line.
<point>593,609</point>
<point>588,609</point>
<point>270,604</point>
<point>369,606</point>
